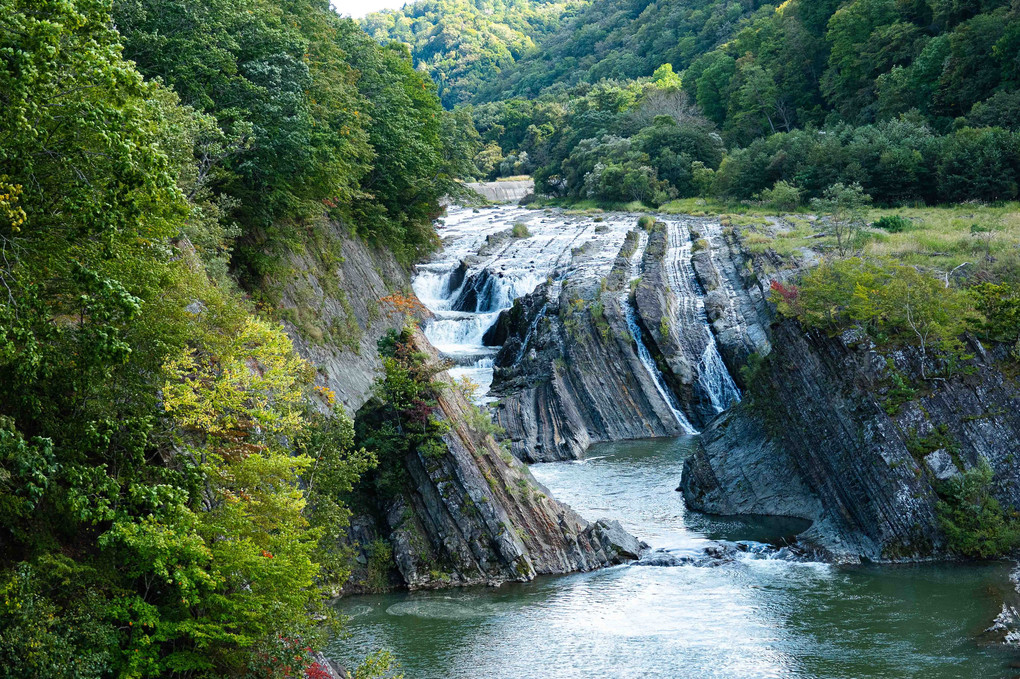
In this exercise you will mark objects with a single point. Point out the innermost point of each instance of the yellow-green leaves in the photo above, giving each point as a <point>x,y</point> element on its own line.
<point>250,380</point>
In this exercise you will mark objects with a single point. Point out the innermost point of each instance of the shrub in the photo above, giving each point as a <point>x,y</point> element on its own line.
<point>893,224</point>
<point>845,205</point>
<point>646,222</point>
<point>891,301</point>
<point>782,196</point>
<point>520,230</point>
<point>999,304</point>
<point>974,521</point>
<point>402,417</point>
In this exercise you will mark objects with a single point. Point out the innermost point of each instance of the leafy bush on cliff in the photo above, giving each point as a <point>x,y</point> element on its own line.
<point>782,196</point>
<point>401,420</point>
<point>975,523</point>
<point>891,301</point>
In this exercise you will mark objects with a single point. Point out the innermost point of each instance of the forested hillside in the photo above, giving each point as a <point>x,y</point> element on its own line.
<point>622,40</point>
<point>466,43</point>
<point>914,101</point>
<point>169,478</point>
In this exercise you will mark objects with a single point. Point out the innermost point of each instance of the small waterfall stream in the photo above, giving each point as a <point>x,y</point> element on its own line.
<point>482,270</point>
<point>642,349</point>
<point>699,342</point>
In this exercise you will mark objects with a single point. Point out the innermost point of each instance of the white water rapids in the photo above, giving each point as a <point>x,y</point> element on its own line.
<point>479,274</point>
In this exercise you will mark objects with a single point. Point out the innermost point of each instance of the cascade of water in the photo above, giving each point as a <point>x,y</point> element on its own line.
<point>642,349</point>
<point>699,342</point>
<point>454,328</point>
<point>482,272</point>
<point>531,330</point>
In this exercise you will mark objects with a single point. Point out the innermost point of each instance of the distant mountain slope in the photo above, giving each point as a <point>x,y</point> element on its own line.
<point>464,43</point>
<point>622,40</point>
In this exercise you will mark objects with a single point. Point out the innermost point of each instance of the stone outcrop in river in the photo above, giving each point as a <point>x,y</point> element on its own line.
<point>817,441</point>
<point>568,372</point>
<point>476,515</point>
<point>643,348</point>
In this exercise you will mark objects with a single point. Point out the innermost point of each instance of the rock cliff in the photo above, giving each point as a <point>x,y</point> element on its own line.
<point>474,515</point>
<point>568,374</point>
<point>825,437</point>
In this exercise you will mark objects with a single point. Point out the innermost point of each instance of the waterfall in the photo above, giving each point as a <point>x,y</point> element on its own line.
<point>482,271</point>
<point>642,349</point>
<point>697,338</point>
<point>531,331</point>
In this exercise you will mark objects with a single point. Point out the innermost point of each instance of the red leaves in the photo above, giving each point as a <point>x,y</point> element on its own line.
<point>400,303</point>
<point>317,671</point>
<point>788,293</point>
<point>419,412</point>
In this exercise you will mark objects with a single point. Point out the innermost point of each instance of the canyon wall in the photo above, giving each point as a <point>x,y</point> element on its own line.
<point>823,437</point>
<point>472,516</point>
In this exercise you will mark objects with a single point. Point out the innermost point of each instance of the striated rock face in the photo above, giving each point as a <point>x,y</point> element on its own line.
<point>736,302</point>
<point>572,373</point>
<point>568,374</point>
<point>815,441</point>
<point>472,516</point>
<point>477,516</point>
<point>333,313</point>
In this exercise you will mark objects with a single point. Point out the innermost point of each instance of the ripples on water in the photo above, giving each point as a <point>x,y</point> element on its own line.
<point>754,617</point>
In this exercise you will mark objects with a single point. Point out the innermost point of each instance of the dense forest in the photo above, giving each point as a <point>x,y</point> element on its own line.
<point>169,478</point>
<point>914,101</point>
<point>463,43</point>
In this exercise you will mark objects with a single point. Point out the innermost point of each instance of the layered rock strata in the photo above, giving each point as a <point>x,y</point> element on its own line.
<point>824,438</point>
<point>472,516</point>
<point>568,375</point>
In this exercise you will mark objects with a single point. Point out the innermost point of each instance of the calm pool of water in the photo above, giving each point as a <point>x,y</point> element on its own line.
<point>754,617</point>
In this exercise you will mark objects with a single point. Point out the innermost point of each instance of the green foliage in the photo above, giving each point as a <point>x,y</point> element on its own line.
<point>307,112</point>
<point>520,230</point>
<point>999,304</point>
<point>402,419</point>
<point>782,196</point>
<point>893,224</point>
<point>380,563</point>
<point>646,222</point>
<point>171,503</point>
<point>845,206</point>
<point>899,391</point>
<point>975,523</point>
<point>336,467</point>
<point>463,43</point>
<point>893,302</point>
<point>873,92</point>
<point>940,439</point>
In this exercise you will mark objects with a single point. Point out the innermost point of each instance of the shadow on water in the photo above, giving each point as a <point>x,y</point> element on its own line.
<point>746,617</point>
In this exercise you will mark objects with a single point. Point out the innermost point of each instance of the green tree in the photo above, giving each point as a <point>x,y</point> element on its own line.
<point>845,206</point>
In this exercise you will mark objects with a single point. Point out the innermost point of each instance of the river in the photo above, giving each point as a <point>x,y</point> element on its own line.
<point>753,617</point>
<point>758,612</point>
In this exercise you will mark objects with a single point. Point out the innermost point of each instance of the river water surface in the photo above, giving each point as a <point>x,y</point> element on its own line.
<point>750,615</point>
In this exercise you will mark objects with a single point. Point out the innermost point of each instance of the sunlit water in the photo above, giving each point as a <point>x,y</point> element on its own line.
<point>753,617</point>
